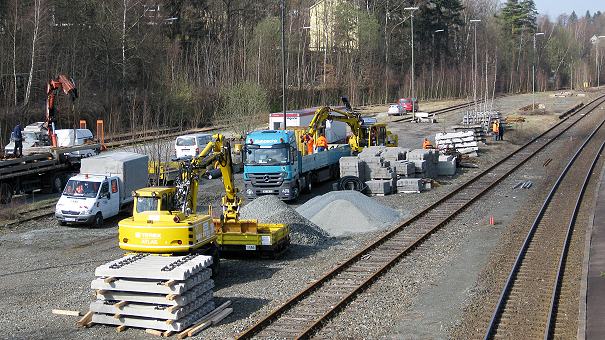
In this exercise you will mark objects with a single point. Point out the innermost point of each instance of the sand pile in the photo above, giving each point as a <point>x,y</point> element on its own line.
<point>270,209</point>
<point>348,212</point>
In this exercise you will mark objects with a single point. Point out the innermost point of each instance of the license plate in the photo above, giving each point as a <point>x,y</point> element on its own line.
<point>70,219</point>
<point>267,191</point>
<point>250,247</point>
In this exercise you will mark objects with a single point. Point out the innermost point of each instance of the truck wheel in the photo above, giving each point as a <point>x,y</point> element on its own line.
<point>56,183</point>
<point>98,221</point>
<point>6,193</point>
<point>308,185</point>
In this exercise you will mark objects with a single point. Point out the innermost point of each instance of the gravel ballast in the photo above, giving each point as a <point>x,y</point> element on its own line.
<point>270,209</point>
<point>346,212</point>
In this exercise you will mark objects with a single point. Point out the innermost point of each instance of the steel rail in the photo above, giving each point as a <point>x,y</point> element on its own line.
<point>523,251</point>
<point>398,253</point>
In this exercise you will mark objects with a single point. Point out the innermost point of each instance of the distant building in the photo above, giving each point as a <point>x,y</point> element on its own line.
<point>323,21</point>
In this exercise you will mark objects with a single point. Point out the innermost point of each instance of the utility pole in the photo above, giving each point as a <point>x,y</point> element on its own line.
<point>598,64</point>
<point>475,22</point>
<point>283,59</point>
<point>433,59</point>
<point>533,74</point>
<point>412,9</point>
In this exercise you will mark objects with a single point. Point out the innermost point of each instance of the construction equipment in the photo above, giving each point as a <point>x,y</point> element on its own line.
<point>54,86</point>
<point>165,219</point>
<point>366,131</point>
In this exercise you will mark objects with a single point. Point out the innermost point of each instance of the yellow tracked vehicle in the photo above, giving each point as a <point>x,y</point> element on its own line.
<point>165,219</point>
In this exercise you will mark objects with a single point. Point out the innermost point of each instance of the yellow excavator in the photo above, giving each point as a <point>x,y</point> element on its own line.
<point>366,131</point>
<point>165,219</point>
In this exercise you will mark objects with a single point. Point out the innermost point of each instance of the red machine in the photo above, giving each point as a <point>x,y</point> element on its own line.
<point>54,86</point>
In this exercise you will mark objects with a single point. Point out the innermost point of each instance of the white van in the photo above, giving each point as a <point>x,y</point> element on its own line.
<point>75,137</point>
<point>191,145</point>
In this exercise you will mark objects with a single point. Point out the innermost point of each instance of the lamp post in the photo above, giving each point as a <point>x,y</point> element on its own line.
<point>533,74</point>
<point>598,64</point>
<point>283,59</point>
<point>412,9</point>
<point>433,59</point>
<point>475,22</point>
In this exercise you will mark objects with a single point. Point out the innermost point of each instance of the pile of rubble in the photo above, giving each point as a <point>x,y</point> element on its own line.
<point>162,293</point>
<point>388,170</point>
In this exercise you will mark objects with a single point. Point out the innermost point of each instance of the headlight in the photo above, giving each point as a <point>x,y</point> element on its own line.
<point>284,175</point>
<point>249,192</point>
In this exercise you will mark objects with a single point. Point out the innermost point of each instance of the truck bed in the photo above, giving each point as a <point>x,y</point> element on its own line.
<point>326,158</point>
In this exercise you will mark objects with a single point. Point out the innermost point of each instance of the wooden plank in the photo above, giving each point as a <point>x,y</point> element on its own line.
<point>171,297</point>
<point>85,320</point>
<point>120,304</point>
<point>110,279</point>
<point>207,318</point>
<point>168,333</point>
<point>66,312</point>
<point>170,283</point>
<point>121,328</point>
<point>154,332</point>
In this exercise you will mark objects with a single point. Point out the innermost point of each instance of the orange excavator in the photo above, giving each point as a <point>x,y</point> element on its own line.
<point>53,88</point>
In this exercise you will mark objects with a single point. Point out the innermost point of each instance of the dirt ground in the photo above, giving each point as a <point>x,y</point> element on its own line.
<point>45,266</point>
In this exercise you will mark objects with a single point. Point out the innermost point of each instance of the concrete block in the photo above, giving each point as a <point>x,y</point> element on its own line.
<point>145,266</point>
<point>420,165</point>
<point>445,158</point>
<point>150,311</point>
<point>152,286</point>
<point>352,166</point>
<point>372,150</point>
<point>379,187</point>
<point>405,185</point>
<point>382,173</point>
<point>158,299</point>
<point>405,168</point>
<point>141,322</point>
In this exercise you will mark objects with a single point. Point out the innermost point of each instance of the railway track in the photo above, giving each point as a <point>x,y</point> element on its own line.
<point>445,109</point>
<point>528,303</point>
<point>305,313</point>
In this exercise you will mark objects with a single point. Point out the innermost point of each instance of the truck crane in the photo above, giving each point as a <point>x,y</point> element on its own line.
<point>53,88</point>
<point>165,219</point>
<point>366,131</point>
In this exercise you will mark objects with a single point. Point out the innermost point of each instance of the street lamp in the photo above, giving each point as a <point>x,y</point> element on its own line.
<point>412,9</point>
<point>475,22</point>
<point>433,59</point>
<point>533,74</point>
<point>597,60</point>
<point>283,59</point>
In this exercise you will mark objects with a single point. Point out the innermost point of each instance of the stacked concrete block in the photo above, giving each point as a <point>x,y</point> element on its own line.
<point>379,187</point>
<point>372,151</point>
<point>425,161</point>
<point>408,185</point>
<point>447,165</point>
<point>405,168</point>
<point>394,154</point>
<point>167,293</point>
<point>352,166</point>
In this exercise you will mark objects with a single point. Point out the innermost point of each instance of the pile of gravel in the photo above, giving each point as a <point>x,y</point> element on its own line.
<point>270,209</point>
<point>348,212</point>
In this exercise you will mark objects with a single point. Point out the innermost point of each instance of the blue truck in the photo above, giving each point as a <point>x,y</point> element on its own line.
<point>275,165</point>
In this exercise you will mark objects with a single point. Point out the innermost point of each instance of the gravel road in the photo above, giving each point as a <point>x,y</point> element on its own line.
<point>46,266</point>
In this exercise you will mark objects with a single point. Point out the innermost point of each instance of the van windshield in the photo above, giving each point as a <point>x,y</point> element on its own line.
<point>76,188</point>
<point>185,141</point>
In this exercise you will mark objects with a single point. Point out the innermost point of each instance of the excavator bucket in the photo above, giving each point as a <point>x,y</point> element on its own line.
<point>250,236</point>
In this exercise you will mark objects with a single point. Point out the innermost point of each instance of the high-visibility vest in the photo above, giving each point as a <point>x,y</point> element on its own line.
<point>322,142</point>
<point>426,144</point>
<point>496,127</point>
<point>309,146</point>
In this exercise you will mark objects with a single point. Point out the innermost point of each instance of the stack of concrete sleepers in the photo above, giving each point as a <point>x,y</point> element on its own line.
<point>478,132</point>
<point>463,142</point>
<point>484,119</point>
<point>166,293</point>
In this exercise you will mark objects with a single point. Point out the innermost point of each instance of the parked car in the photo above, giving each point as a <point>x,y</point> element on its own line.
<point>406,103</point>
<point>191,145</point>
<point>395,110</point>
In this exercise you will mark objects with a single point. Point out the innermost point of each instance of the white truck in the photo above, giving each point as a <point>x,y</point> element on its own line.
<point>102,189</point>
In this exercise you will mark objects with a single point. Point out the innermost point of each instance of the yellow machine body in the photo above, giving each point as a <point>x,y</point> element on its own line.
<point>155,228</point>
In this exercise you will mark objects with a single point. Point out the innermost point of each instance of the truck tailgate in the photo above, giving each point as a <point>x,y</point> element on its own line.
<point>325,158</point>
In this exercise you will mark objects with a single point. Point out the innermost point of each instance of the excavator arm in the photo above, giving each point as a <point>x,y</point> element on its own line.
<point>54,86</point>
<point>327,113</point>
<point>218,152</point>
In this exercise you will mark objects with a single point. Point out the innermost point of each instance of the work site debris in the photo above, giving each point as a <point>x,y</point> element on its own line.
<point>523,185</point>
<point>270,209</point>
<point>345,212</point>
<point>514,119</point>
<point>166,293</point>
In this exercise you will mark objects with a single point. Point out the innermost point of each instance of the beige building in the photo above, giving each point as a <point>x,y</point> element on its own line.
<point>322,27</point>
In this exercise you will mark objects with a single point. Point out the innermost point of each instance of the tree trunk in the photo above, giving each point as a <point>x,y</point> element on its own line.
<point>37,11</point>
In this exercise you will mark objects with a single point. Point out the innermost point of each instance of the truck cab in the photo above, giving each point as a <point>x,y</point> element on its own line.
<point>272,164</point>
<point>157,226</point>
<point>88,199</point>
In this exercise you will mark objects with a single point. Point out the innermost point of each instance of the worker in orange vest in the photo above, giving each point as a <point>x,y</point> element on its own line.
<point>496,129</point>
<point>426,144</point>
<point>310,142</point>
<point>322,143</point>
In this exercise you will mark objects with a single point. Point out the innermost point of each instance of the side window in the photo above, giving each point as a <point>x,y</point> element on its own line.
<point>104,189</point>
<point>114,186</point>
